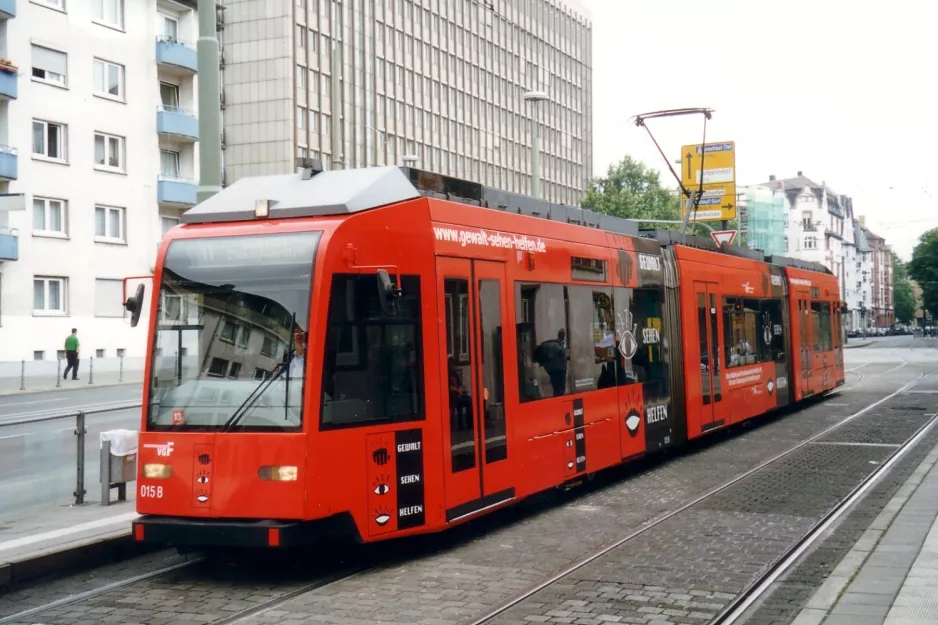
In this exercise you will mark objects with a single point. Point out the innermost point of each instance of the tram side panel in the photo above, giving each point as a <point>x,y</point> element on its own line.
<point>734,329</point>
<point>375,452</point>
<point>817,343</point>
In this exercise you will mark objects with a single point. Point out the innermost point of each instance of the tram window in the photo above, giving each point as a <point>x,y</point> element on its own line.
<point>639,324</point>
<point>459,375</point>
<point>493,398</point>
<point>824,323</point>
<point>772,315</point>
<point>816,325</point>
<point>541,329</point>
<point>592,338</point>
<point>372,364</point>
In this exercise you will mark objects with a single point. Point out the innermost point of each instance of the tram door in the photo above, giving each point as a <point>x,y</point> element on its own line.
<point>711,387</point>
<point>475,434</point>
<point>806,321</point>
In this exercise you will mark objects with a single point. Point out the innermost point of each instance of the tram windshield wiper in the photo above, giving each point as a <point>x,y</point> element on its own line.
<point>259,390</point>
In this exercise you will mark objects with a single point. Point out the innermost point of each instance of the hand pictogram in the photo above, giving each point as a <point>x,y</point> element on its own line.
<point>626,331</point>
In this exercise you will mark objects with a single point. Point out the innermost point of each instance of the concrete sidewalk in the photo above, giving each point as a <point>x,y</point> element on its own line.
<point>31,376</point>
<point>890,575</point>
<point>62,538</point>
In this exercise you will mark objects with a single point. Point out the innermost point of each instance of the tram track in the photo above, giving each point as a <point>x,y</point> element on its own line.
<point>751,593</point>
<point>380,559</point>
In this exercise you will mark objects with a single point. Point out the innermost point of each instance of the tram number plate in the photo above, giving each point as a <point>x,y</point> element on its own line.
<point>151,492</point>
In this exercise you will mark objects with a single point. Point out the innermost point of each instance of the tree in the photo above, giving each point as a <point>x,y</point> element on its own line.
<point>633,191</point>
<point>902,293</point>
<point>924,269</point>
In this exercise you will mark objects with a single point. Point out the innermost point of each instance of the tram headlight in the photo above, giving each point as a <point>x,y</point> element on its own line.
<point>157,471</point>
<point>278,474</point>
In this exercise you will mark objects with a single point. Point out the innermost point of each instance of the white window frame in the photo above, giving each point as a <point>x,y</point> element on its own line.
<point>63,290</point>
<point>103,20</point>
<point>108,237</point>
<point>45,231</point>
<point>122,149</point>
<point>63,140</point>
<point>58,5</point>
<point>121,71</point>
<point>50,78</point>
<point>162,28</point>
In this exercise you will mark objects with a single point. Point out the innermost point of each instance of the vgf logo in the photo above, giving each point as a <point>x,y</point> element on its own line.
<point>161,450</point>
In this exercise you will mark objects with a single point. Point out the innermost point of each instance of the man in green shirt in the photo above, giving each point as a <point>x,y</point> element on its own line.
<point>71,354</point>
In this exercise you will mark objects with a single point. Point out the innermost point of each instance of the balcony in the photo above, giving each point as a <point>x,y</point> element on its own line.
<point>7,9</point>
<point>8,81</point>
<point>176,56</point>
<point>9,244</point>
<point>176,191</point>
<point>177,123</point>
<point>9,163</point>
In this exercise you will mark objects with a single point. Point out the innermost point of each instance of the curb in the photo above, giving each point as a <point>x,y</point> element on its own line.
<point>818,607</point>
<point>57,389</point>
<point>93,552</point>
<point>857,346</point>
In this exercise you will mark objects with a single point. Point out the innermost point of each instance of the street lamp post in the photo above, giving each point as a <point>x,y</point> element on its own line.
<point>535,97</point>
<point>408,159</point>
<point>209,102</point>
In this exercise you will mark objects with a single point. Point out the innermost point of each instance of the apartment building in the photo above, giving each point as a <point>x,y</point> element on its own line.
<point>98,149</point>
<point>821,227</point>
<point>459,87</point>
<point>883,313</point>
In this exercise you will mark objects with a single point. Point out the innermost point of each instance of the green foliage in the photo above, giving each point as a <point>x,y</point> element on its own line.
<point>633,191</point>
<point>924,269</point>
<point>902,293</point>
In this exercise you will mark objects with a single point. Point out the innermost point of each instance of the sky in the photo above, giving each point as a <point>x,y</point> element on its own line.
<point>845,91</point>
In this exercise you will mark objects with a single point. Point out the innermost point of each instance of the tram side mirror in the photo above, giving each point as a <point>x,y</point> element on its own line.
<point>134,305</point>
<point>388,292</point>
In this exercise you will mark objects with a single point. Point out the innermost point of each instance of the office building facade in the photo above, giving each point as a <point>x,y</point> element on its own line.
<point>98,156</point>
<point>440,84</point>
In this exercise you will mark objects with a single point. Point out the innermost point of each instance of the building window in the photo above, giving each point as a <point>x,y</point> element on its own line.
<point>108,79</point>
<point>170,27</point>
<point>300,117</point>
<point>108,152</point>
<point>49,140</point>
<point>49,216</point>
<point>109,223</point>
<point>50,66</point>
<point>49,295</point>
<point>110,12</point>
<point>58,4</point>
<point>168,223</point>
<point>169,164</point>
<point>108,298</point>
<point>169,95</point>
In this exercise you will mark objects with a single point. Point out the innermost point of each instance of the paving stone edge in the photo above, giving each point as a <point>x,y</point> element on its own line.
<point>826,597</point>
<point>92,552</point>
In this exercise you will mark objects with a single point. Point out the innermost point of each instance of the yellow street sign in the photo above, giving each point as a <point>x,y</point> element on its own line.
<point>716,164</point>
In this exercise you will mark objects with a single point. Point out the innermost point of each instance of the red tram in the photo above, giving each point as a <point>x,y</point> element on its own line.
<point>328,354</point>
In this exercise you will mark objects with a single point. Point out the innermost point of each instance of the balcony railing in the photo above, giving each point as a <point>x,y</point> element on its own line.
<point>178,122</point>
<point>9,78</point>
<point>176,54</point>
<point>9,163</point>
<point>9,244</point>
<point>176,191</point>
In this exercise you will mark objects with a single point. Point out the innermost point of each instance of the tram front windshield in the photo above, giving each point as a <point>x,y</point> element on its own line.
<point>228,353</point>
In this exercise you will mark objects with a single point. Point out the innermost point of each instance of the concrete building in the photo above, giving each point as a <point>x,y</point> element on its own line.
<point>821,227</point>
<point>99,136</point>
<point>882,309</point>
<point>451,85</point>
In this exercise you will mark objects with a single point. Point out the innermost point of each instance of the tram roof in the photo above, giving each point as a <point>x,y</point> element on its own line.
<point>318,193</point>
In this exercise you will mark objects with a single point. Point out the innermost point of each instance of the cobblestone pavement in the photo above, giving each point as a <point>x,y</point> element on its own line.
<point>449,578</point>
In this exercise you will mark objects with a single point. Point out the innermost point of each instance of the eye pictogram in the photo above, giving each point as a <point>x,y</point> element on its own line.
<point>632,421</point>
<point>626,330</point>
<point>382,489</point>
<point>202,477</point>
<point>382,516</point>
<point>381,456</point>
